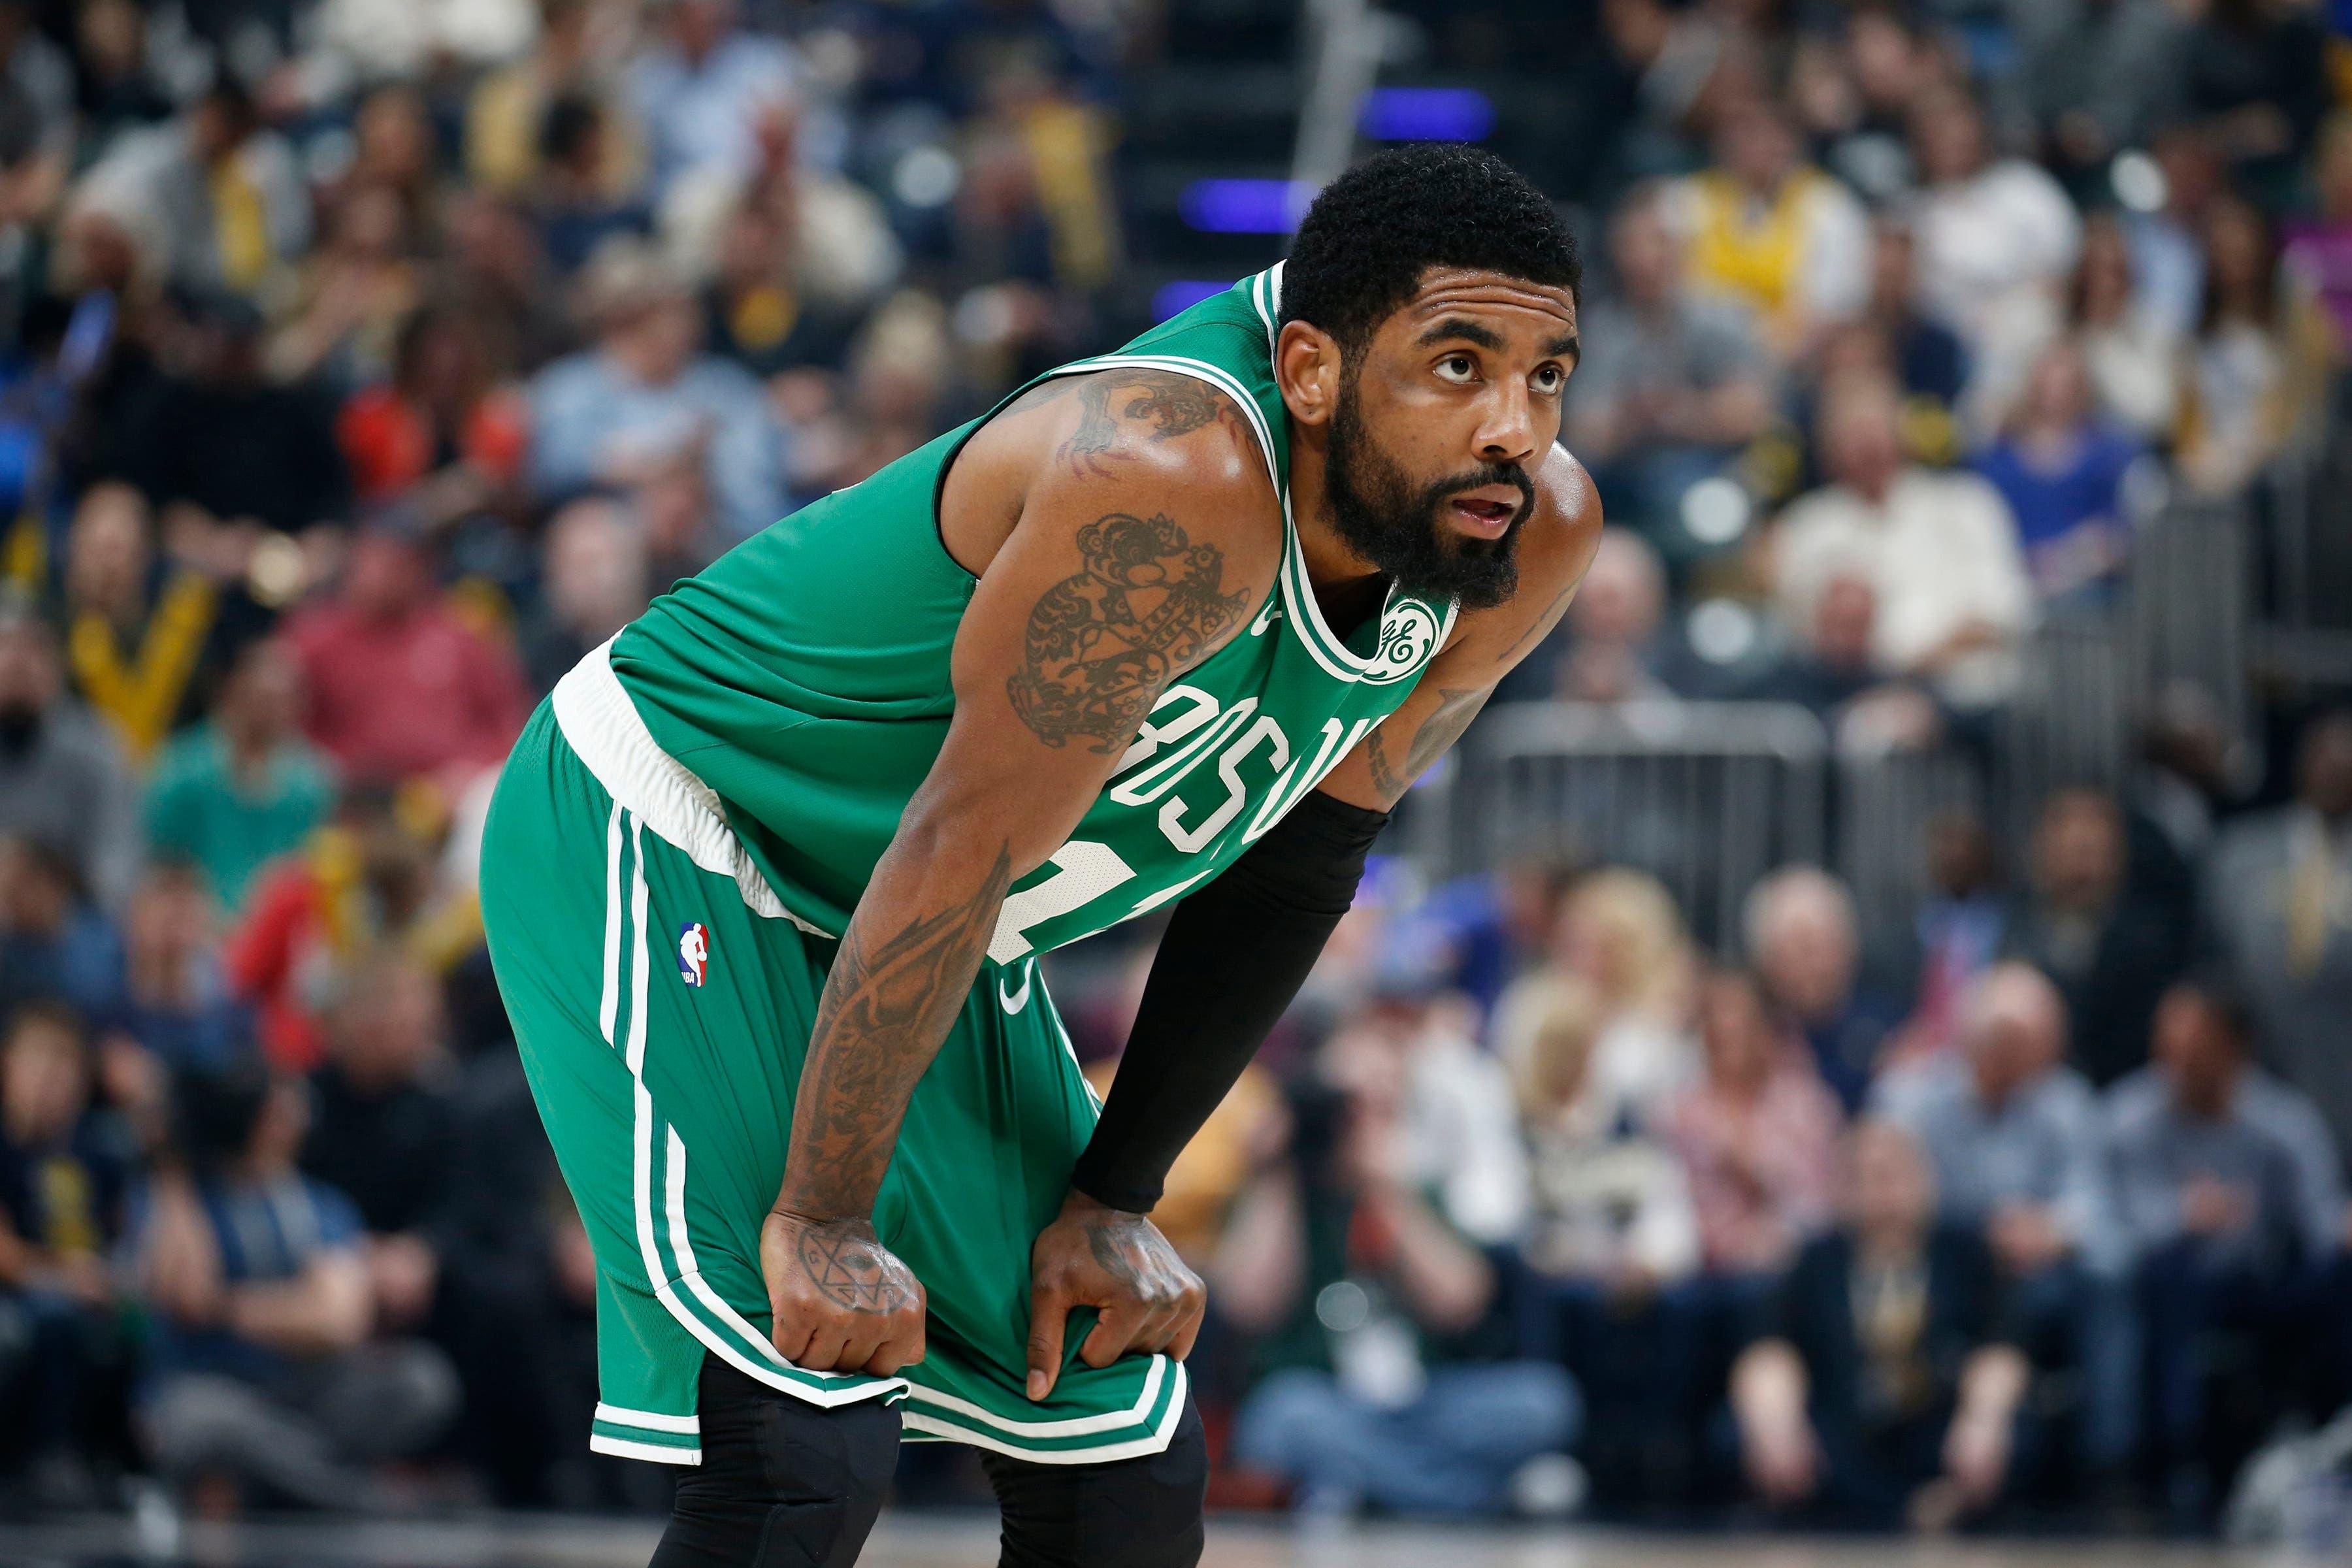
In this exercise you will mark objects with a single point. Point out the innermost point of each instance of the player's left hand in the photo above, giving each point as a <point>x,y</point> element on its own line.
<point>1119,1264</point>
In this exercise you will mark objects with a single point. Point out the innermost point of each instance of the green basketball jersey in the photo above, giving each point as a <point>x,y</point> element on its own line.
<point>802,680</point>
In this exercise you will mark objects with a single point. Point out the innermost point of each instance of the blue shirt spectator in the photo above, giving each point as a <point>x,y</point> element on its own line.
<point>2010,1130</point>
<point>703,93</point>
<point>646,406</point>
<point>2210,1152</point>
<point>2066,478</point>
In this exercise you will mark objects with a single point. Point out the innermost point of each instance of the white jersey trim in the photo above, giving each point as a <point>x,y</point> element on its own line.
<point>604,729</point>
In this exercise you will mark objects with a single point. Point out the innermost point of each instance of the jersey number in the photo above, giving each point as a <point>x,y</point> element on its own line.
<point>1083,872</point>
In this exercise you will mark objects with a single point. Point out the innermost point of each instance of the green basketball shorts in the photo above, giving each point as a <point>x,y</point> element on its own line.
<point>662,999</point>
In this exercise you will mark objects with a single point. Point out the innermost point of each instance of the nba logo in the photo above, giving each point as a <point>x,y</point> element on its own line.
<point>694,952</point>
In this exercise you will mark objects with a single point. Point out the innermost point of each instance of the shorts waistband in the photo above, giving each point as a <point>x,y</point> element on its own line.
<point>604,729</point>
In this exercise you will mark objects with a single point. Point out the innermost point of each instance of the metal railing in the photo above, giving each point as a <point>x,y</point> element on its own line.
<point>1707,796</point>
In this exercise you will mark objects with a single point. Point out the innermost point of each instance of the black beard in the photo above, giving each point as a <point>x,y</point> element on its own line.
<point>1397,528</point>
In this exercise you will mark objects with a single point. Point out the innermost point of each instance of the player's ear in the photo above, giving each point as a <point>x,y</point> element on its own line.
<point>1307,368</point>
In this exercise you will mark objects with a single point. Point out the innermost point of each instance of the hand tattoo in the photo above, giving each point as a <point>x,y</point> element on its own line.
<point>850,1272</point>
<point>1103,642</point>
<point>1107,1239</point>
<point>1455,708</point>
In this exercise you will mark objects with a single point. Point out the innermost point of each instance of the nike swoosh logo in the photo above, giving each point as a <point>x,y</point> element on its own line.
<point>1015,1001</point>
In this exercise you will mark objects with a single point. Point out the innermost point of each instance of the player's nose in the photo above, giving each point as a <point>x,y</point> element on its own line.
<point>1506,434</point>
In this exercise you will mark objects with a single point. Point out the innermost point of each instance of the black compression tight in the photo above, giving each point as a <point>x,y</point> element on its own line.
<point>786,1484</point>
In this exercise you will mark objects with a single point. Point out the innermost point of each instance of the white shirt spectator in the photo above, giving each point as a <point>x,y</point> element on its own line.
<point>2003,240</point>
<point>1461,1135</point>
<point>1941,552</point>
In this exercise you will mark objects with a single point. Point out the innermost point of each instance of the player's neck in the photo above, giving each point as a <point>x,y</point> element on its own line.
<point>1348,587</point>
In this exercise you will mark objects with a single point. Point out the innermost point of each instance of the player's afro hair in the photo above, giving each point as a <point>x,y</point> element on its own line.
<point>1363,247</point>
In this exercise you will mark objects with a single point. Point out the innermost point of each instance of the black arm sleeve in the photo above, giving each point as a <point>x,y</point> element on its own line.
<point>1233,956</point>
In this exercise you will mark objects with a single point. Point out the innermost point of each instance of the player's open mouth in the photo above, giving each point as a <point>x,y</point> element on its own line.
<point>1486,512</point>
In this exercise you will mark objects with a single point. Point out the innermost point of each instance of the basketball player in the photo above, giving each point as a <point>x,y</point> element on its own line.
<point>766,876</point>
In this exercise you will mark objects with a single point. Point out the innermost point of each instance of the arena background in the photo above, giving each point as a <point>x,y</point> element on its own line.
<point>1948,743</point>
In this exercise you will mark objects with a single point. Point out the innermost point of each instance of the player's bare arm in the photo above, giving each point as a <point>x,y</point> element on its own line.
<point>1122,529</point>
<point>1561,538</point>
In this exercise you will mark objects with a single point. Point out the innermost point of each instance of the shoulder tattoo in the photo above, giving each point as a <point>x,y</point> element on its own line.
<point>1158,405</point>
<point>1102,642</point>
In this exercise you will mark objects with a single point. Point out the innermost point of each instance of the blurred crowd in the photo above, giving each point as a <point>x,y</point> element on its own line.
<point>362,363</point>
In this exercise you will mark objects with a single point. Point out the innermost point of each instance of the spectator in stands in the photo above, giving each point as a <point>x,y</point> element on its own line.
<point>1617,648</point>
<point>1619,934</point>
<point>216,194</point>
<point>1831,673</point>
<point>264,1374</point>
<point>383,1123</point>
<point>647,398</point>
<point>1997,241</point>
<point>174,1013</point>
<point>62,779</point>
<point>400,686</point>
<point>2098,76</point>
<point>443,432</point>
<point>1962,924</point>
<point>497,269</point>
<point>702,88</point>
<point>2230,1194</point>
<point>1928,357</point>
<point>1614,1214</point>
<point>1790,245</point>
<point>593,582</point>
<point>64,1169</point>
<point>1801,936</point>
<point>366,880</point>
<point>2278,900</point>
<point>2110,948</point>
<point>230,794</point>
<point>1887,1391</point>
<point>120,88</point>
<point>1673,386</point>
<point>576,200</point>
<point>2130,351</point>
<point>355,291</point>
<point>2257,365</point>
<point>1368,1293</point>
<point>1758,1138</point>
<point>506,113</point>
<point>136,639</point>
<point>1940,551</point>
<point>2318,249</point>
<point>53,944</point>
<point>215,437</point>
<point>2069,480</point>
<point>2013,1136</point>
<point>2257,84</point>
<point>1856,87</point>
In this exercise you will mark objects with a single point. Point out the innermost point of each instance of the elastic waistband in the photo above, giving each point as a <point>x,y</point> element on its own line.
<point>604,729</point>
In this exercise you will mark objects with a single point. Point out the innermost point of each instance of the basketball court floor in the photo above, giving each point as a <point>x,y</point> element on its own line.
<point>968,1542</point>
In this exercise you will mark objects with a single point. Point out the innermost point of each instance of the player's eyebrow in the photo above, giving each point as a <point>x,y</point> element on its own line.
<point>1467,331</point>
<point>1565,346</point>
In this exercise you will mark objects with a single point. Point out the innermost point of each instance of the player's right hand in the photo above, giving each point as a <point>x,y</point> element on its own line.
<point>841,1302</point>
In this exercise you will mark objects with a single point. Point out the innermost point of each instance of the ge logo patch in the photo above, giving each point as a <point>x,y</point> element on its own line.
<point>694,952</point>
<point>1408,637</point>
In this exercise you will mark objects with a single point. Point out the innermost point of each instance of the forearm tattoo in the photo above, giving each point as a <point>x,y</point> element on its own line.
<point>887,1007</point>
<point>1455,708</point>
<point>1102,642</point>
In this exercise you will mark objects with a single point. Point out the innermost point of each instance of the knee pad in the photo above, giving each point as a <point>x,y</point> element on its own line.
<point>783,1483</point>
<point>1132,1513</point>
